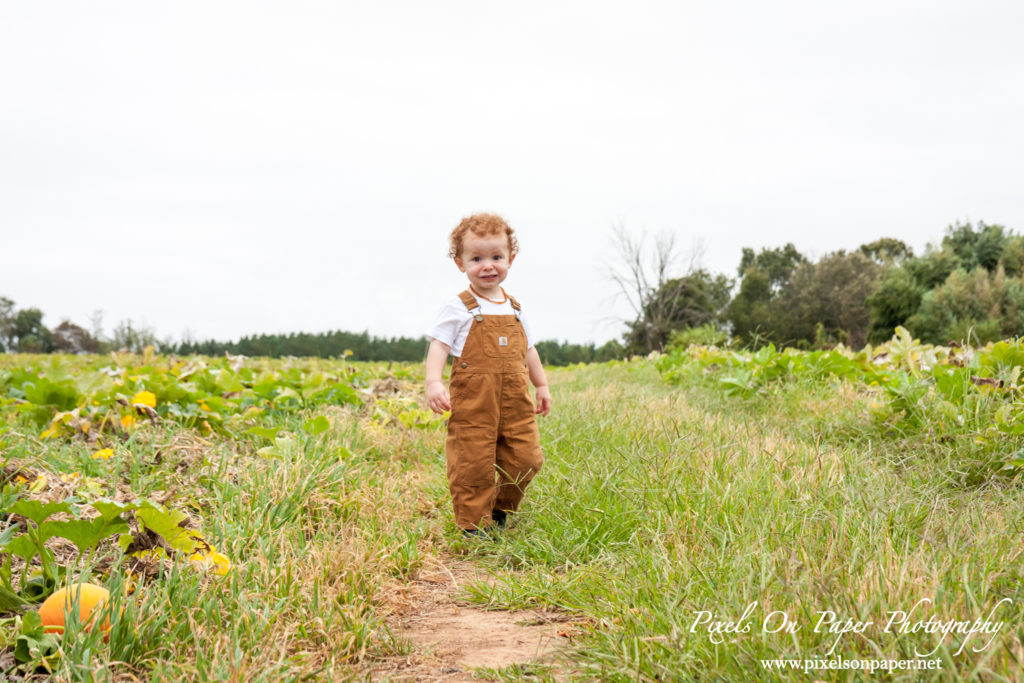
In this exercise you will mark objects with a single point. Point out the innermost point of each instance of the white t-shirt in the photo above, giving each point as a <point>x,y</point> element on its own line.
<point>453,322</point>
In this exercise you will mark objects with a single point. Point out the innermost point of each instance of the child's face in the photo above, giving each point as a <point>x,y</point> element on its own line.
<point>485,260</point>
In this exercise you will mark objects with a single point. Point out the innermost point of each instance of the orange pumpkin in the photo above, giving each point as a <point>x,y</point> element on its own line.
<point>90,597</point>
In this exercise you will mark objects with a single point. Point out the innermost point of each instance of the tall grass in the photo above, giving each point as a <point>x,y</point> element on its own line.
<point>659,505</point>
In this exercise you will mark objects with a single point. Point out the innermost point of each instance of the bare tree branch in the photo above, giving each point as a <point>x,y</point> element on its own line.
<point>642,275</point>
<point>630,275</point>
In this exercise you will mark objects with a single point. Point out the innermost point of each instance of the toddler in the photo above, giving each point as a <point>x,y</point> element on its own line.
<point>493,447</point>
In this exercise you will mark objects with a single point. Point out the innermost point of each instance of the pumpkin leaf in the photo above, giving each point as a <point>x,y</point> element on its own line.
<point>264,432</point>
<point>85,534</point>
<point>318,425</point>
<point>34,645</point>
<point>38,511</point>
<point>7,535</point>
<point>287,393</point>
<point>22,546</point>
<point>109,509</point>
<point>168,524</point>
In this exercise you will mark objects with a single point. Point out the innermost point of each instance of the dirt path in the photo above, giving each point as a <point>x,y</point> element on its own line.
<point>449,638</point>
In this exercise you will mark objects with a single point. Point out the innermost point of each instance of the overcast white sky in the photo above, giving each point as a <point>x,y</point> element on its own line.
<point>244,167</point>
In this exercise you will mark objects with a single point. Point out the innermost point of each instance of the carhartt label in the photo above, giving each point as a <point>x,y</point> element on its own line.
<point>502,341</point>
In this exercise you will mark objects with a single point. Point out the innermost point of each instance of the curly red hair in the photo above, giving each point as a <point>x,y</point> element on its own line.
<point>481,225</point>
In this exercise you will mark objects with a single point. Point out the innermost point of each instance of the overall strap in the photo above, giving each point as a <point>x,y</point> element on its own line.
<point>469,300</point>
<point>471,304</point>
<point>515,307</point>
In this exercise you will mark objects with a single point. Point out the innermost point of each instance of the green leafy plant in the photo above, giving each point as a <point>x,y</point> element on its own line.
<point>87,535</point>
<point>70,399</point>
<point>915,386</point>
<point>33,647</point>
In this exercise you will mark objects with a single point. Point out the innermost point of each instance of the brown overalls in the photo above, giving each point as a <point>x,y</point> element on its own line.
<point>493,445</point>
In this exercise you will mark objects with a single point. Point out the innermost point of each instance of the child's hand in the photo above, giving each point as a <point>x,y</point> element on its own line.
<point>543,401</point>
<point>437,397</point>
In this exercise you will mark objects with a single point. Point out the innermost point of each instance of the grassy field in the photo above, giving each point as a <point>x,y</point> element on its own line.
<point>662,505</point>
<point>691,535</point>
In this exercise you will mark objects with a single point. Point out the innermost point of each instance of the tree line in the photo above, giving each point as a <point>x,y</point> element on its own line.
<point>967,288</point>
<point>359,346</point>
<point>23,331</point>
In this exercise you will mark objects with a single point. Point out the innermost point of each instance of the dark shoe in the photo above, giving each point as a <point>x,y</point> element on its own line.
<point>473,533</point>
<point>500,517</point>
